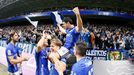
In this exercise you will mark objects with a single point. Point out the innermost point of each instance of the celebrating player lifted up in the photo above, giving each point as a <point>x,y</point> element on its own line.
<point>57,53</point>
<point>72,32</point>
<point>72,35</point>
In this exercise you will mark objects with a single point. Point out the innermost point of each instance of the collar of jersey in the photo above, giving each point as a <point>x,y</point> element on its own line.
<point>81,59</point>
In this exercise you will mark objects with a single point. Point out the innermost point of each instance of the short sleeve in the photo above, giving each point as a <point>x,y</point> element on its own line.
<point>9,52</point>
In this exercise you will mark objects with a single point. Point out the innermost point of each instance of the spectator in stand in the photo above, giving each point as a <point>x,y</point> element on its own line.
<point>114,36</point>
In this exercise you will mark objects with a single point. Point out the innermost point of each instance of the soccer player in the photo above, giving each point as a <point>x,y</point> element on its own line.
<point>72,32</point>
<point>12,54</point>
<point>41,55</point>
<point>56,45</point>
<point>83,66</point>
<point>44,53</point>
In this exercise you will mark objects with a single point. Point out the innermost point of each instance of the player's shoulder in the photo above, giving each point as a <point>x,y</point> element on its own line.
<point>76,69</point>
<point>76,66</point>
<point>9,45</point>
<point>9,50</point>
<point>84,62</point>
<point>45,50</point>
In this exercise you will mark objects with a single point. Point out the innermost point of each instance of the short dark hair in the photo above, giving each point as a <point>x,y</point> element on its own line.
<point>11,34</point>
<point>81,48</point>
<point>67,19</point>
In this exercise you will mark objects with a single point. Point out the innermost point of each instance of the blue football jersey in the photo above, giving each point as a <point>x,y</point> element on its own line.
<point>42,62</point>
<point>71,38</point>
<point>19,51</point>
<point>11,51</point>
<point>82,67</point>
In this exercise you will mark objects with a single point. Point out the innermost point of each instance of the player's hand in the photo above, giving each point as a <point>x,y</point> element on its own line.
<point>76,10</point>
<point>53,55</point>
<point>60,67</point>
<point>46,35</point>
<point>25,58</point>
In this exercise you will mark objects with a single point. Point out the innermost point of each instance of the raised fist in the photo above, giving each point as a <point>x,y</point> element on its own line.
<point>46,35</point>
<point>76,10</point>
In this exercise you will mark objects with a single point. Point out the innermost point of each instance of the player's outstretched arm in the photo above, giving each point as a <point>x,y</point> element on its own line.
<point>18,60</point>
<point>79,20</point>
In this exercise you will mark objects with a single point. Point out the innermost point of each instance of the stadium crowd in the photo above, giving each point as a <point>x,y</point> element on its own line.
<point>106,36</point>
<point>61,43</point>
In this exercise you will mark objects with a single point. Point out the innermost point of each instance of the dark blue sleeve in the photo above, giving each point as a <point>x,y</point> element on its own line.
<point>9,52</point>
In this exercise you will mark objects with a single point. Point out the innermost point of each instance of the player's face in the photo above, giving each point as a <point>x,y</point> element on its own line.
<point>54,47</point>
<point>66,25</point>
<point>15,37</point>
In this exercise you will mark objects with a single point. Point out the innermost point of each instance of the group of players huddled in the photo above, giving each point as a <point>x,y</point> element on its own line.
<point>52,49</point>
